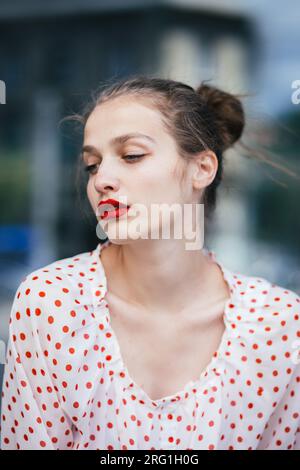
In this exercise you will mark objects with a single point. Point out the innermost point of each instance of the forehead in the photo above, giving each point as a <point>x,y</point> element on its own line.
<point>123,115</point>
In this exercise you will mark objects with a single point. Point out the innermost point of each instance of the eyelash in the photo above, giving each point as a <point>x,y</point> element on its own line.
<point>89,168</point>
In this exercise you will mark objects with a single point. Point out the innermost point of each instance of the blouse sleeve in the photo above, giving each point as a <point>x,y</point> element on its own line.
<point>31,412</point>
<point>282,432</point>
<point>283,429</point>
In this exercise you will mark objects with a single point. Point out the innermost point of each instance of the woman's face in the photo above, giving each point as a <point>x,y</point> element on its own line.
<point>152,177</point>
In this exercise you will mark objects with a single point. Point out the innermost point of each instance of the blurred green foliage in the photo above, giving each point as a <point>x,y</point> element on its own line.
<point>14,188</point>
<point>277,199</point>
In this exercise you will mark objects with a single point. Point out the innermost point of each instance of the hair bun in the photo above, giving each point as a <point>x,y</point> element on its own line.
<point>228,111</point>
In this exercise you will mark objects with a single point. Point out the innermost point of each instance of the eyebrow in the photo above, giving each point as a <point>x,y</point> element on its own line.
<point>120,139</point>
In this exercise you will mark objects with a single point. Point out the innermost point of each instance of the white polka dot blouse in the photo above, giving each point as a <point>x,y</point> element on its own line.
<point>66,386</point>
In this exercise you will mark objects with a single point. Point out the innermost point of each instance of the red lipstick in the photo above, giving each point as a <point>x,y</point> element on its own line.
<point>109,213</point>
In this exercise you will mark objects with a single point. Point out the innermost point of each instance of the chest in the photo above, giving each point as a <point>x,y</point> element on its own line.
<point>161,351</point>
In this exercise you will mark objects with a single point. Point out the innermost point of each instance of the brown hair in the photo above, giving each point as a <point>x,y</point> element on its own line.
<point>198,119</point>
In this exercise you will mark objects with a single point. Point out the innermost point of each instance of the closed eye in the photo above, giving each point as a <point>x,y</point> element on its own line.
<point>90,168</point>
<point>131,158</point>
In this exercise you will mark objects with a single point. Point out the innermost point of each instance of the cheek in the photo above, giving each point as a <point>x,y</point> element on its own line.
<point>161,184</point>
<point>91,193</point>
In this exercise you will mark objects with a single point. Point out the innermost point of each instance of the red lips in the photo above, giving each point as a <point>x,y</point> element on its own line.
<point>120,209</point>
<point>112,202</point>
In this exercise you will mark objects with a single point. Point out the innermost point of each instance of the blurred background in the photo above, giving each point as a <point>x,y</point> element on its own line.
<point>53,55</point>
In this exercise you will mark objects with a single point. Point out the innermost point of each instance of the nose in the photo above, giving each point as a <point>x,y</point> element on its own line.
<point>104,182</point>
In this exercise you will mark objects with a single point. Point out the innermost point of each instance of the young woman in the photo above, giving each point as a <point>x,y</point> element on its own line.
<point>142,343</point>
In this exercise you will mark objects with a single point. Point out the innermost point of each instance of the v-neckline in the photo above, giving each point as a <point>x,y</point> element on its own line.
<point>215,365</point>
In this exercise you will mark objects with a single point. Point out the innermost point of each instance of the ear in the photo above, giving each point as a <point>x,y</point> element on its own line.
<point>205,166</point>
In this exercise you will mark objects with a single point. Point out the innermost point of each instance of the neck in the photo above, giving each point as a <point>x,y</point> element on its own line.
<point>163,275</point>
